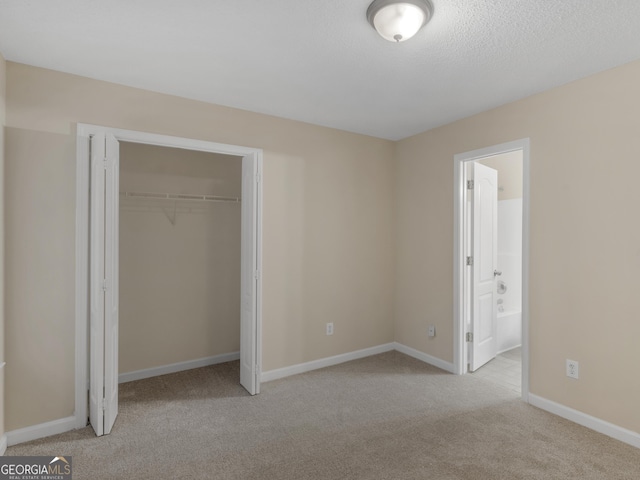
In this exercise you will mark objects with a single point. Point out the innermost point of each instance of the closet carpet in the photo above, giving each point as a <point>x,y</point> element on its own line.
<point>383,417</point>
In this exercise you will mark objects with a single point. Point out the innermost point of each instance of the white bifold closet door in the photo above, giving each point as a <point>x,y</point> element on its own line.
<point>249,372</point>
<point>103,296</point>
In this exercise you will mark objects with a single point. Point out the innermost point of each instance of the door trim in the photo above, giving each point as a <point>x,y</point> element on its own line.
<point>83,135</point>
<point>459,201</point>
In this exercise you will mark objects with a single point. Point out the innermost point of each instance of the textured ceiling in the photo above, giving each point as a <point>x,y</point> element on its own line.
<point>320,61</point>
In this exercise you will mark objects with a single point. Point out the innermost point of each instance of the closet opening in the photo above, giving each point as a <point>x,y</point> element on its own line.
<point>168,262</point>
<point>179,234</point>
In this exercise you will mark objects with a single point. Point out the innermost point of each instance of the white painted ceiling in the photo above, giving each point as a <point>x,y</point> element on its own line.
<point>320,61</point>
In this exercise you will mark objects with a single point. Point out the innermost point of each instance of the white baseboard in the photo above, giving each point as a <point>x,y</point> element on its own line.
<point>323,362</point>
<point>424,357</point>
<point>41,430</point>
<point>609,429</point>
<point>177,367</point>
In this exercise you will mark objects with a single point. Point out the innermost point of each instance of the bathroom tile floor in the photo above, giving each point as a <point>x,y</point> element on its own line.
<point>504,370</point>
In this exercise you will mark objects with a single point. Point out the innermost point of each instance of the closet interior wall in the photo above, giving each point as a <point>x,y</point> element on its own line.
<point>179,256</point>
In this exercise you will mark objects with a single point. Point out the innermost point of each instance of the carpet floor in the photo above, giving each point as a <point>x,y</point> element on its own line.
<point>383,417</point>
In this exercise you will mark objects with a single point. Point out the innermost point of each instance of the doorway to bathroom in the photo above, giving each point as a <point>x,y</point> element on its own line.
<point>491,265</point>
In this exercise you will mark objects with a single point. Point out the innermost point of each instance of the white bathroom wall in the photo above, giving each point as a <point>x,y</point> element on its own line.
<point>510,252</point>
<point>510,263</point>
<point>509,167</point>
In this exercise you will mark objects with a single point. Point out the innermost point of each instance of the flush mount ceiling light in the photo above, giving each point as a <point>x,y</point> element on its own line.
<point>399,20</point>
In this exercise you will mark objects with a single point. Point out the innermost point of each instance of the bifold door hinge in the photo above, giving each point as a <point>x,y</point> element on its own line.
<point>469,184</point>
<point>258,178</point>
<point>257,274</point>
<point>105,162</point>
<point>105,284</point>
<point>469,261</point>
<point>469,336</point>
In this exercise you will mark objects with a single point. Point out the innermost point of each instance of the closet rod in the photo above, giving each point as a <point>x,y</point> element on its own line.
<point>181,196</point>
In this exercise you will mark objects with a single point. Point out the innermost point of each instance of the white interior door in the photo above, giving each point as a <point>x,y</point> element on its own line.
<point>103,301</point>
<point>249,277</point>
<point>484,231</point>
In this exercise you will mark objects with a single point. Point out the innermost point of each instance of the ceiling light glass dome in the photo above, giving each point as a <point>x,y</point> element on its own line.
<point>398,21</point>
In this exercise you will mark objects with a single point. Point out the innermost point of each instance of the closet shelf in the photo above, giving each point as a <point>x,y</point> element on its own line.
<point>181,196</point>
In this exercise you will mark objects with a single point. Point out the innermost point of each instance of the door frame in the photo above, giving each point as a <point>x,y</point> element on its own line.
<point>460,200</point>
<point>83,181</point>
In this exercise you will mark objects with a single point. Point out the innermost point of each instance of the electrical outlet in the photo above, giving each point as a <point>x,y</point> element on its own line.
<point>329,328</point>
<point>432,330</point>
<point>573,369</point>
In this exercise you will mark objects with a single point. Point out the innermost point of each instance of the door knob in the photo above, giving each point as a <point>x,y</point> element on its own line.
<point>497,273</point>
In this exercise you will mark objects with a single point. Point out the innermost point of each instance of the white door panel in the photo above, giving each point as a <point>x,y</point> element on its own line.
<point>103,301</point>
<point>484,228</point>
<point>111,276</point>
<point>485,310</point>
<point>96,276</point>
<point>249,271</point>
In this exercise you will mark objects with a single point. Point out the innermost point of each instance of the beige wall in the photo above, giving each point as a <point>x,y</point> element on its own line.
<point>3,82</point>
<point>328,241</point>
<point>509,167</point>
<point>179,260</point>
<point>585,253</point>
<point>40,276</point>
